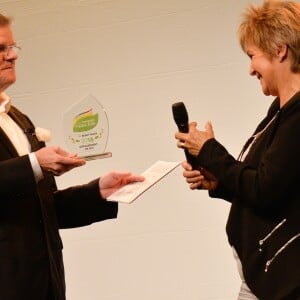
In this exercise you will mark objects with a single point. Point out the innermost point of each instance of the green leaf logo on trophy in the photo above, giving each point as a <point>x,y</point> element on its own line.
<point>86,129</point>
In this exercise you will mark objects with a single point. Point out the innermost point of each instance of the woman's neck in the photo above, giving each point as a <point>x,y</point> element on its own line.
<point>290,87</point>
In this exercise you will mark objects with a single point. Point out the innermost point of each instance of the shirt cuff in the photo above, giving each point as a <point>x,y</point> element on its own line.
<point>37,170</point>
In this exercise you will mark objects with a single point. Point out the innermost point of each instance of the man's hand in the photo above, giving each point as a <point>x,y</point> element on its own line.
<point>57,161</point>
<point>111,182</point>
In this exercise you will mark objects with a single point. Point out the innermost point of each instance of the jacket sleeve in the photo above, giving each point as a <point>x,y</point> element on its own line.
<point>82,205</point>
<point>16,177</point>
<point>268,185</point>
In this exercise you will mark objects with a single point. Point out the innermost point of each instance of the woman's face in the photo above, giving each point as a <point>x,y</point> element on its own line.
<point>264,68</point>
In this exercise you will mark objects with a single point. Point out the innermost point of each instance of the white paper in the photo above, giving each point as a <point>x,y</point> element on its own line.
<point>152,175</point>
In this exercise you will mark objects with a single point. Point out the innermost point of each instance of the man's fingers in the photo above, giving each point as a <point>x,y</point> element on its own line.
<point>135,178</point>
<point>71,161</point>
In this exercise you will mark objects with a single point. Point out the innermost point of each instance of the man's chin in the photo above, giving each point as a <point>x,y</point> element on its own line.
<point>5,84</point>
<point>11,79</point>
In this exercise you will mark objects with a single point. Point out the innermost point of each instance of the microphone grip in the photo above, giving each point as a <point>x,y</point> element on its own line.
<point>184,128</point>
<point>181,119</point>
<point>191,159</point>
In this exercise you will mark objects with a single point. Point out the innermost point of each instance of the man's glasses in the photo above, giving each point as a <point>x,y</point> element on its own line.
<point>6,49</point>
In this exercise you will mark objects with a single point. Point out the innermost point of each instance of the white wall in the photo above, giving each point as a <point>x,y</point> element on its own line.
<point>138,57</point>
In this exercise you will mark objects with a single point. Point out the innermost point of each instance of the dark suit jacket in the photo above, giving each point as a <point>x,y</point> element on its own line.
<point>264,221</point>
<point>31,215</point>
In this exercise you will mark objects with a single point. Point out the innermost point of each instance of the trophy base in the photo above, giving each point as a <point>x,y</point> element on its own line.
<point>96,156</point>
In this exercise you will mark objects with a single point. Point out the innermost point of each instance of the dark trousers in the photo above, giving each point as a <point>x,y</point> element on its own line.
<point>50,293</point>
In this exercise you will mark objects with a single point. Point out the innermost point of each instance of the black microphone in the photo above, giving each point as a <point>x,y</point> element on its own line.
<point>181,118</point>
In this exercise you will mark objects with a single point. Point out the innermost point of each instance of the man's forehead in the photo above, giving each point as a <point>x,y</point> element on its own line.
<point>5,34</point>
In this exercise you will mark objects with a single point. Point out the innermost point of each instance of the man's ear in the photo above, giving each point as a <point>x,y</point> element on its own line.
<point>282,52</point>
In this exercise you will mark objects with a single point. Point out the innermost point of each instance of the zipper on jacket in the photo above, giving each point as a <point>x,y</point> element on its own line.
<point>269,262</point>
<point>261,242</point>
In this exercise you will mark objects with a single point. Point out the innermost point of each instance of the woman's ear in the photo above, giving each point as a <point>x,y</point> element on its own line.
<point>282,52</point>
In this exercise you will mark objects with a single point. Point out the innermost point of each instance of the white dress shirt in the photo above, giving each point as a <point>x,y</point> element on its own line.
<point>17,136</point>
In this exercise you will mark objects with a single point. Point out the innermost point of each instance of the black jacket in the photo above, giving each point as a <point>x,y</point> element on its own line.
<point>264,220</point>
<point>30,218</point>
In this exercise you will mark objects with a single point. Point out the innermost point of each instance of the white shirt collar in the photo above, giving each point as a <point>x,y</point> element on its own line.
<point>5,104</point>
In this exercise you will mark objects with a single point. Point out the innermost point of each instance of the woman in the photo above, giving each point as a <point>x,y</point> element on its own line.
<point>262,184</point>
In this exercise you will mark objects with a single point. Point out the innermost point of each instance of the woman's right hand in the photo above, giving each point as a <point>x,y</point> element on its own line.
<point>199,179</point>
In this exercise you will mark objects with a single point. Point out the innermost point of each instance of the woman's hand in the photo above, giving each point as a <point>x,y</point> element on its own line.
<point>199,179</point>
<point>194,140</point>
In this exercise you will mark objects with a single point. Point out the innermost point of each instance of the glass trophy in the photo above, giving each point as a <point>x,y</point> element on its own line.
<point>86,129</point>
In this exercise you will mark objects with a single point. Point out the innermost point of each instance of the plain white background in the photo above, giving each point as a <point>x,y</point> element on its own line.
<point>137,57</point>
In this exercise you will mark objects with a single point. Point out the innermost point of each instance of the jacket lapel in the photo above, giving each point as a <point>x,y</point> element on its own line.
<point>27,128</point>
<point>7,144</point>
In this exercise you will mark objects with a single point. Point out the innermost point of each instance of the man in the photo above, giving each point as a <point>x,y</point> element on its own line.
<point>32,210</point>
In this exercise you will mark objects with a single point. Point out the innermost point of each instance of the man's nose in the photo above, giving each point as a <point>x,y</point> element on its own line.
<point>11,54</point>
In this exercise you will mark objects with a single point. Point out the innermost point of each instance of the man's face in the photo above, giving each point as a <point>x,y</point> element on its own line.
<point>7,59</point>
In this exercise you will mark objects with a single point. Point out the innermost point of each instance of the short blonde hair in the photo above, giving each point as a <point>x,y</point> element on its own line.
<point>271,25</point>
<point>4,20</point>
